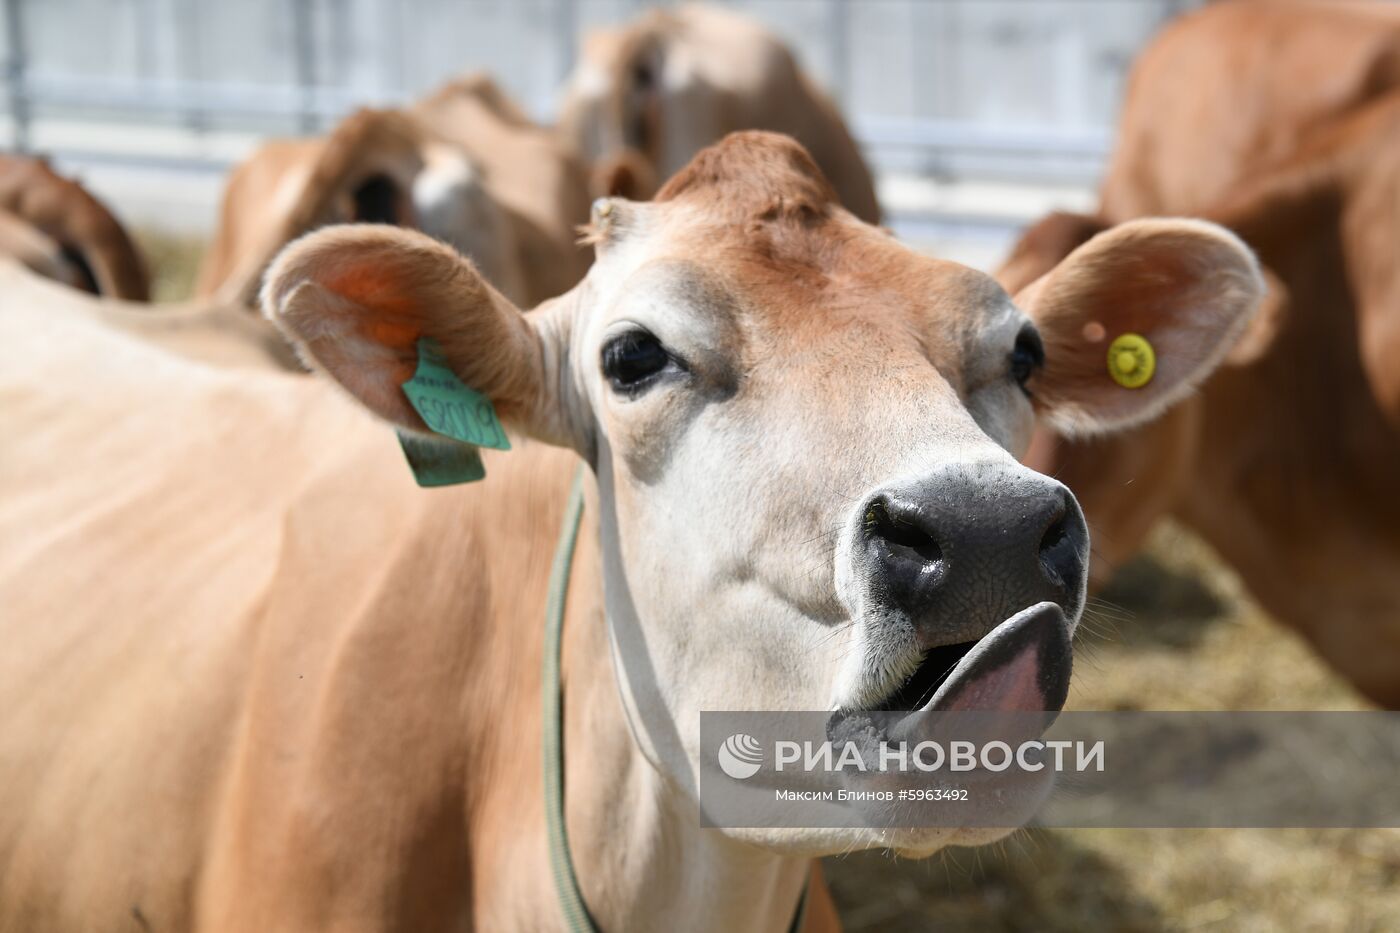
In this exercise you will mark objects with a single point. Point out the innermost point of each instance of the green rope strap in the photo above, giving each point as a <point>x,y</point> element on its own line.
<point>576,915</point>
<point>561,863</point>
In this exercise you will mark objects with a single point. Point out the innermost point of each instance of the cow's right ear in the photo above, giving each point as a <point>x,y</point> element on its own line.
<point>356,299</point>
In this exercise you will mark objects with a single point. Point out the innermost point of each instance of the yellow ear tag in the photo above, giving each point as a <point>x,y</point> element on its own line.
<point>1131,361</point>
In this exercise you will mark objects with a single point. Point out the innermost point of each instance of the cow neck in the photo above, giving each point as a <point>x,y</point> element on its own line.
<point>631,845</point>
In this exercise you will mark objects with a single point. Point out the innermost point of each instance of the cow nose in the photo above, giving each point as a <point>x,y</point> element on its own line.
<point>960,551</point>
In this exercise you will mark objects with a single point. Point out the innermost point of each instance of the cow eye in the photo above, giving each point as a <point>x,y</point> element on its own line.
<point>1027,356</point>
<point>633,360</point>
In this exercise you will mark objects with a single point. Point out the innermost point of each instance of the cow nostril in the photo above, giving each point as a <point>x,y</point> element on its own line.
<point>901,534</point>
<point>1054,535</point>
<point>1057,555</point>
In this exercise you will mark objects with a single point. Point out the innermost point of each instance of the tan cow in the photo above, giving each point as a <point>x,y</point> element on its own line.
<point>1286,460</point>
<point>1240,84</point>
<point>463,165</point>
<point>255,679</point>
<point>203,331</point>
<point>55,227</point>
<point>648,95</point>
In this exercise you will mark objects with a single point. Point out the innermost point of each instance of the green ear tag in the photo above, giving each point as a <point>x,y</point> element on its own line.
<point>464,417</point>
<point>441,462</point>
<point>448,406</point>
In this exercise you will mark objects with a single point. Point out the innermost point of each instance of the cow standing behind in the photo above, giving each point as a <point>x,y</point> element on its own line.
<point>257,680</point>
<point>463,165</point>
<point>649,95</point>
<point>1281,120</point>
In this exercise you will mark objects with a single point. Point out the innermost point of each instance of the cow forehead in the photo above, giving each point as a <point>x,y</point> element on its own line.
<point>832,285</point>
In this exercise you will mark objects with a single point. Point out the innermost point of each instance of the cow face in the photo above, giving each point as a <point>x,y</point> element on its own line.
<point>804,434</point>
<point>648,95</point>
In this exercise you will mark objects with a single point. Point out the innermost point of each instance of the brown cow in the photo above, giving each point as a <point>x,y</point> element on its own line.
<point>463,165</point>
<point>648,95</point>
<point>1284,462</point>
<point>257,680</point>
<point>1237,85</point>
<point>71,236</point>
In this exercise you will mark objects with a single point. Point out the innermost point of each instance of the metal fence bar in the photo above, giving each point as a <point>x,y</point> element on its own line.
<point>838,26</point>
<point>304,54</point>
<point>189,26</point>
<point>960,136</point>
<point>135,96</point>
<point>564,23</point>
<point>16,65</point>
<point>144,37</point>
<point>194,93</point>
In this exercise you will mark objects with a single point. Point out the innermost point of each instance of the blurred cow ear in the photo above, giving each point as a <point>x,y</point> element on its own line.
<point>626,174</point>
<point>1264,326</point>
<point>355,300</point>
<point>1163,299</point>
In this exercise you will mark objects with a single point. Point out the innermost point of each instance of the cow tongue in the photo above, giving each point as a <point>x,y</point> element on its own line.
<point>1021,666</point>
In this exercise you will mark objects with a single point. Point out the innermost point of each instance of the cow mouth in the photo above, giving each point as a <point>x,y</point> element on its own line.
<point>1022,665</point>
<point>933,672</point>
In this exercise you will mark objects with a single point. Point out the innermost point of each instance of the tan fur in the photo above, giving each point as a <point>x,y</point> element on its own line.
<point>258,217</point>
<point>1239,84</point>
<point>527,169</point>
<point>206,332</point>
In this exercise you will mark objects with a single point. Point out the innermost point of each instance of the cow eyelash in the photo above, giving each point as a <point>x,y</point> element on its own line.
<point>634,360</point>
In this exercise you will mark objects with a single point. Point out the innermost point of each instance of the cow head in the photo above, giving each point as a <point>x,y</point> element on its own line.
<point>376,166</point>
<point>647,95</point>
<point>804,433</point>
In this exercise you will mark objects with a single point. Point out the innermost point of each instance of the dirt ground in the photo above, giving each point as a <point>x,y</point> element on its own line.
<point>1174,631</point>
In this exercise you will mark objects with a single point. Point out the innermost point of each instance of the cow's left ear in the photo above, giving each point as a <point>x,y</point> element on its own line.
<point>1136,317</point>
<point>356,300</point>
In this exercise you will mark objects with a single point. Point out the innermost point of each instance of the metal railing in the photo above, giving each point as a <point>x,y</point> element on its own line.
<point>35,89</point>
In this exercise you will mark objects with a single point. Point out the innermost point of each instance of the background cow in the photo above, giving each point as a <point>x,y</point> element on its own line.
<point>1238,85</point>
<point>202,330</point>
<point>463,165</point>
<point>647,96</point>
<point>1285,461</point>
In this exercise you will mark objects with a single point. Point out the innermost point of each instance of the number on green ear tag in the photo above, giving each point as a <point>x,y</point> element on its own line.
<point>448,406</point>
<point>464,417</point>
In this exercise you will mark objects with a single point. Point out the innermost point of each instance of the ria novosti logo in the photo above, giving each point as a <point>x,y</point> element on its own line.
<point>740,756</point>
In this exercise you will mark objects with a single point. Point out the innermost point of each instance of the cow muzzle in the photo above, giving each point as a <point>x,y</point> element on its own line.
<point>974,579</point>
